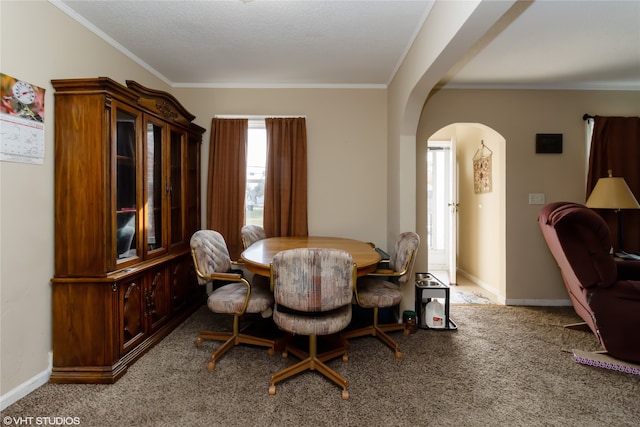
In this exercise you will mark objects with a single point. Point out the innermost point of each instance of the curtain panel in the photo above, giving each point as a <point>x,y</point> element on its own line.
<point>227,179</point>
<point>285,194</point>
<point>615,146</point>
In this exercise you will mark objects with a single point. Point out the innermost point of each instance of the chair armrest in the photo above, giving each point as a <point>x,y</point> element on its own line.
<point>384,273</point>
<point>229,277</point>
<point>628,270</point>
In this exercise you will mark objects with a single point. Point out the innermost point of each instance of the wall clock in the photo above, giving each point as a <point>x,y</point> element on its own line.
<point>23,92</point>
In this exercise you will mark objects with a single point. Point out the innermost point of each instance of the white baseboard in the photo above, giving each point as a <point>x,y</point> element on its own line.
<point>12,396</point>
<point>540,302</point>
<point>514,301</point>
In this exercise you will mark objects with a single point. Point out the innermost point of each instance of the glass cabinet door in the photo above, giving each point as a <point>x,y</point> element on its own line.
<point>176,145</point>
<point>154,188</point>
<point>126,184</point>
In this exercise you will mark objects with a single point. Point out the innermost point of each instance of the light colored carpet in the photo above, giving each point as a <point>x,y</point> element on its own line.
<point>465,291</point>
<point>504,366</point>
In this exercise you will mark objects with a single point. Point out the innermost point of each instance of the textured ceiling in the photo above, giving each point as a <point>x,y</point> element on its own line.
<point>262,43</point>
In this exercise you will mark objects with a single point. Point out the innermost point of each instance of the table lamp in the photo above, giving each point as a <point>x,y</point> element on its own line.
<point>613,193</point>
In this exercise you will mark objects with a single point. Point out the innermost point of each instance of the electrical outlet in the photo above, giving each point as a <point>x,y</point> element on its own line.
<point>536,198</point>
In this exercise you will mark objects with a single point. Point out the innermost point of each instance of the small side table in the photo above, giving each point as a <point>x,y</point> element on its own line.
<point>429,287</point>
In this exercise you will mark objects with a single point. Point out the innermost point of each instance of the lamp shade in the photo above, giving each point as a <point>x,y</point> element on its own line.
<point>612,193</point>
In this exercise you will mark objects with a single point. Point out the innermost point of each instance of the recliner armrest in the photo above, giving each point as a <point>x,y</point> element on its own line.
<point>628,270</point>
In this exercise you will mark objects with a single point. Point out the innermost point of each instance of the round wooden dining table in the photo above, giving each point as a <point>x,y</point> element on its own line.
<point>258,256</point>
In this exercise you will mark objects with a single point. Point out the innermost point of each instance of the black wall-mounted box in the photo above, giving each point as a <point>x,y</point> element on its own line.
<point>549,143</point>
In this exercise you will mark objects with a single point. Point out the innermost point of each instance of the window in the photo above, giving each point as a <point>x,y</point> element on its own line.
<point>256,165</point>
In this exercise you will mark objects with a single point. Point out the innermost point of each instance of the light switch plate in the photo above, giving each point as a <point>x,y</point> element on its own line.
<point>536,198</point>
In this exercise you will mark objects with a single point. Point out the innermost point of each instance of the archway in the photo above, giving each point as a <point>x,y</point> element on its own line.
<point>448,34</point>
<point>481,244</point>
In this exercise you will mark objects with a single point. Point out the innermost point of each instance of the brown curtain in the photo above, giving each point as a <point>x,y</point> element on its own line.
<point>285,193</point>
<point>226,184</point>
<point>615,146</point>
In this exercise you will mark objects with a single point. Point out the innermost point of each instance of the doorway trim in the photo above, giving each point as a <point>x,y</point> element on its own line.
<point>442,207</point>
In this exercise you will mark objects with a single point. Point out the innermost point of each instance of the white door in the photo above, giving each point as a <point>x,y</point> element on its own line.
<point>442,207</point>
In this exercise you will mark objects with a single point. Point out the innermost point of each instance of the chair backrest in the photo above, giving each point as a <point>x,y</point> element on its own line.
<point>404,255</point>
<point>313,279</point>
<point>579,241</point>
<point>251,234</point>
<point>210,254</point>
<point>579,235</point>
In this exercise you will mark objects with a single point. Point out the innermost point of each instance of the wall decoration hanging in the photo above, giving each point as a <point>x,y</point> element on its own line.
<point>21,121</point>
<point>482,169</point>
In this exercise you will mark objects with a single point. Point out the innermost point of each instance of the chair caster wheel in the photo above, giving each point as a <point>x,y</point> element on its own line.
<point>345,357</point>
<point>272,390</point>
<point>211,366</point>
<point>399,355</point>
<point>285,354</point>
<point>406,332</point>
<point>198,341</point>
<point>271,351</point>
<point>345,394</point>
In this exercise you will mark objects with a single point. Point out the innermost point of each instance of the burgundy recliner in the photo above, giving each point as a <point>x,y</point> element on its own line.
<point>605,293</point>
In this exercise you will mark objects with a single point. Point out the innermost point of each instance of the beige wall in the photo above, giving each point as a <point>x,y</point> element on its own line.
<point>481,237</point>
<point>346,137</point>
<point>531,276</point>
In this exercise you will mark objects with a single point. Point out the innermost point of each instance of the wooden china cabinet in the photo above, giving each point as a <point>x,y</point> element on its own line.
<point>127,200</point>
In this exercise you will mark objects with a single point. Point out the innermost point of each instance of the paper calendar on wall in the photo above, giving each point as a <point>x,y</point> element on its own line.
<point>21,121</point>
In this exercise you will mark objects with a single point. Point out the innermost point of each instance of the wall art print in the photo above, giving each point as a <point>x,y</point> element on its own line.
<point>482,170</point>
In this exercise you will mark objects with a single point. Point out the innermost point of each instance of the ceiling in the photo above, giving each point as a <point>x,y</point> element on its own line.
<point>263,43</point>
